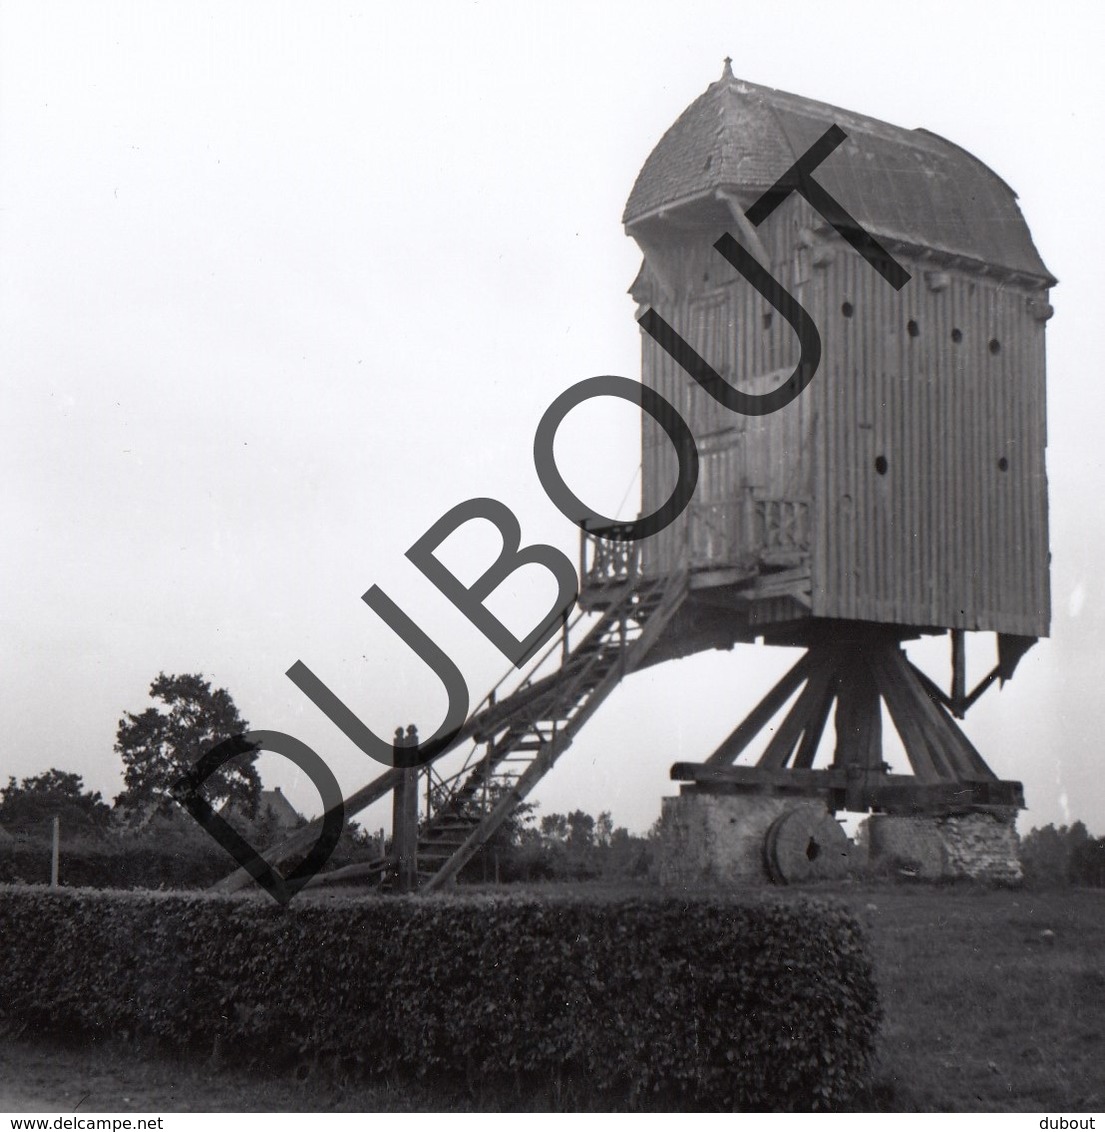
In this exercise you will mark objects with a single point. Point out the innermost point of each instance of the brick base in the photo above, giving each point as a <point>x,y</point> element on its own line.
<point>979,845</point>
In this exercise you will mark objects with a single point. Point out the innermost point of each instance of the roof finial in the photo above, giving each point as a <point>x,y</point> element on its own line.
<point>728,72</point>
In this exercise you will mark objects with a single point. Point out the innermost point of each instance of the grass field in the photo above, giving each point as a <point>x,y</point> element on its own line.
<point>983,1011</point>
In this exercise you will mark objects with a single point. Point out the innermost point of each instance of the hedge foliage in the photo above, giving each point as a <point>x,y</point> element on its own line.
<point>645,1002</point>
<point>116,863</point>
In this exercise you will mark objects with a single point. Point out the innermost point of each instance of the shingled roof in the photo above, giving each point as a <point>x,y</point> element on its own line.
<point>907,185</point>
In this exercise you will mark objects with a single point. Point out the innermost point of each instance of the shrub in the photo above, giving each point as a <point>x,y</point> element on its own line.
<point>705,1003</point>
<point>1057,857</point>
<point>116,862</point>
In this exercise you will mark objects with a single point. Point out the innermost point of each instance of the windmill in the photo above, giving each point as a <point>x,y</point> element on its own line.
<point>898,491</point>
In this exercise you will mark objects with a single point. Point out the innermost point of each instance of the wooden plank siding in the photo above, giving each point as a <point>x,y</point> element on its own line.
<point>954,533</point>
<point>725,320</point>
<point>946,536</point>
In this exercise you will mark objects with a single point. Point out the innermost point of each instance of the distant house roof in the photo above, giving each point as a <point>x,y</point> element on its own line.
<point>909,185</point>
<point>283,813</point>
<point>273,805</point>
<point>139,815</point>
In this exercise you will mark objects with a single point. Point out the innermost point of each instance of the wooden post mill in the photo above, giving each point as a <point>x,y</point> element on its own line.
<point>903,493</point>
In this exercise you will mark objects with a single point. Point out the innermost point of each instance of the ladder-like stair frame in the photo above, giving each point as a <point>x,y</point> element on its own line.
<point>533,725</point>
<point>542,731</point>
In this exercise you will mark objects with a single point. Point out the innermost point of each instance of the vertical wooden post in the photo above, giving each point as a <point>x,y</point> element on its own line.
<point>404,819</point>
<point>959,672</point>
<point>858,723</point>
<point>404,829</point>
<point>858,717</point>
<point>54,853</point>
<point>582,557</point>
<point>747,524</point>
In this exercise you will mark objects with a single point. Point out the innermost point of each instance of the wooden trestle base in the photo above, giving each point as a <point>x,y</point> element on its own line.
<point>857,673</point>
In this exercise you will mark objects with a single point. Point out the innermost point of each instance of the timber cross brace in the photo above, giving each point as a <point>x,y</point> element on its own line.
<point>857,668</point>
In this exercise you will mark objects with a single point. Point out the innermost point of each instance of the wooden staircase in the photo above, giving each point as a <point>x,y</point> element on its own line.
<point>516,736</point>
<point>519,740</point>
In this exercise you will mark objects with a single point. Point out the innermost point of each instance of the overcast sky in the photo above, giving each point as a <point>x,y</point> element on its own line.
<point>281,284</point>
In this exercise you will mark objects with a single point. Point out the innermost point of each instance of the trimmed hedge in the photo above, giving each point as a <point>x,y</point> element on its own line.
<point>644,1002</point>
<point>116,863</point>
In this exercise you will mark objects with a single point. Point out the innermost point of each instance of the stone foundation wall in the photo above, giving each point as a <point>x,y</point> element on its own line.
<point>980,845</point>
<point>716,839</point>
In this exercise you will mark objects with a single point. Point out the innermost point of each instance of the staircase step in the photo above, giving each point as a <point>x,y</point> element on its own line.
<point>541,725</point>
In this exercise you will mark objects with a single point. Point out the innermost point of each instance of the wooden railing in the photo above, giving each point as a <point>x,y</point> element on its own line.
<point>605,560</point>
<point>748,530</point>
<point>783,525</point>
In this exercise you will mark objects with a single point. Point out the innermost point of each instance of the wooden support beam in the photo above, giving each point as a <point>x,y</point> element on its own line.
<point>815,728</point>
<point>897,793</point>
<point>858,716</point>
<point>940,700</point>
<point>779,749</point>
<point>926,766</point>
<point>756,776</point>
<point>940,797</point>
<point>367,871</point>
<point>959,672</point>
<point>935,692</point>
<point>759,717</point>
<point>942,730</point>
<point>404,830</point>
<point>958,708</point>
<point>934,724</point>
<point>979,688</point>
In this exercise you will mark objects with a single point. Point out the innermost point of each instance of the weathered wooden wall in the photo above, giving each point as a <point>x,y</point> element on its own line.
<point>752,347</point>
<point>913,467</point>
<point>931,489</point>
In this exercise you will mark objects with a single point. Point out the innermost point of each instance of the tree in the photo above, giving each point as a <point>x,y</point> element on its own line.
<point>581,830</point>
<point>554,827</point>
<point>1051,856</point>
<point>1087,862</point>
<point>166,741</point>
<point>56,793</point>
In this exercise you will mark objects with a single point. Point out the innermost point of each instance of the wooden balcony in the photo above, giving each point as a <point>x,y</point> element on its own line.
<point>607,565</point>
<point>748,532</point>
<point>754,539</point>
